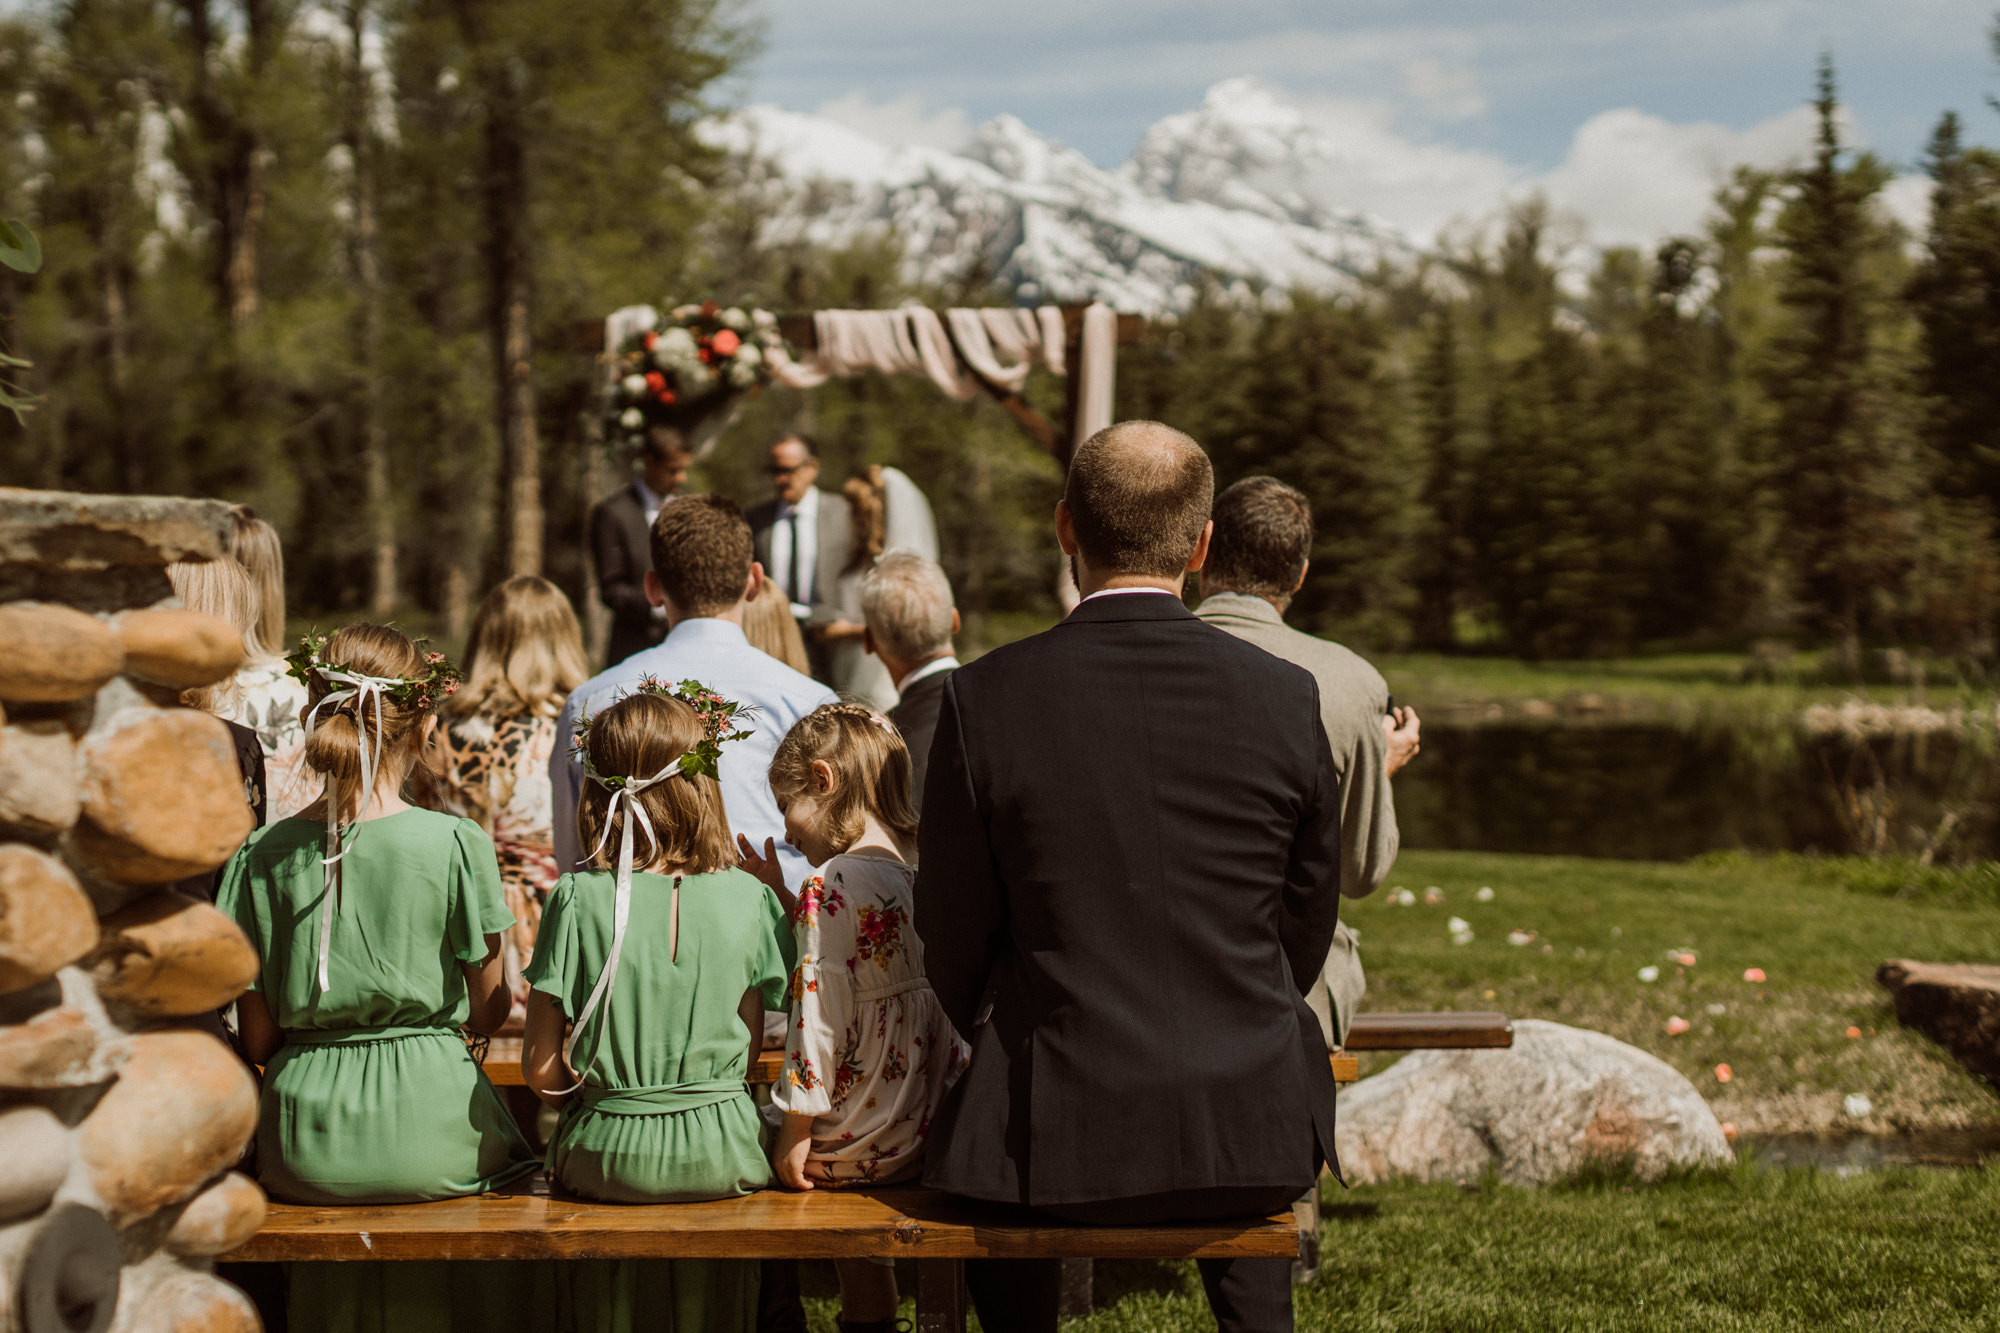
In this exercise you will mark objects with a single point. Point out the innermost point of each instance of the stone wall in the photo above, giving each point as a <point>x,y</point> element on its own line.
<point>119,1118</point>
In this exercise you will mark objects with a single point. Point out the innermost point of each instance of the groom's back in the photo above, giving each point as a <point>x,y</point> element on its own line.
<point>1140,785</point>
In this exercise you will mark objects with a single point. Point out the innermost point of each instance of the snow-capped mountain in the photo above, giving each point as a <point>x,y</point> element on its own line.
<point>1225,189</point>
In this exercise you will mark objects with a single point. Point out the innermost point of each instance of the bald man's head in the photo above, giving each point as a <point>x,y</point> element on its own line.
<point>1139,494</point>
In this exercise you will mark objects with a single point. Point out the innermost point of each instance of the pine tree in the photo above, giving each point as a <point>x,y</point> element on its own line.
<point>1956,296</point>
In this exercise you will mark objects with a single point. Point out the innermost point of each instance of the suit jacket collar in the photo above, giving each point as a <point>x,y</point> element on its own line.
<point>1241,606</point>
<point>1135,606</point>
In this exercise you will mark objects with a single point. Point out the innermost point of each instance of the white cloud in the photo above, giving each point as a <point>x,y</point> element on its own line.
<point>1450,93</point>
<point>1908,200</point>
<point>1634,177</point>
<point>902,121</point>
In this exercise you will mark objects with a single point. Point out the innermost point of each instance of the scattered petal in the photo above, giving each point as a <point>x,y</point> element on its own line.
<point>1457,924</point>
<point>1461,937</point>
<point>1485,895</point>
<point>1518,937</point>
<point>1717,1010</point>
<point>1684,959</point>
<point>1402,897</point>
<point>1677,1025</point>
<point>1854,1034</point>
<point>1723,1074</point>
<point>1729,1130</point>
<point>1488,995</point>
<point>1548,948</point>
<point>1616,931</point>
<point>1649,973</point>
<point>1753,974</point>
<point>1857,1105</point>
<point>1433,896</point>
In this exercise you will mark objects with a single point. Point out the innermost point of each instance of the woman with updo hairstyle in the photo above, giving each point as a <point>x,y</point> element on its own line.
<point>643,1035</point>
<point>888,512</point>
<point>522,658</point>
<point>377,927</point>
<point>264,698</point>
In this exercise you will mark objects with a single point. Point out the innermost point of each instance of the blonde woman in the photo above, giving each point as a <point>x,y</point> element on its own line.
<point>522,658</point>
<point>768,624</point>
<point>266,699</point>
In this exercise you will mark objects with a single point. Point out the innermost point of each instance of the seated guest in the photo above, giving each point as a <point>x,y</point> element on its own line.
<point>368,966</point>
<point>768,624</point>
<point>1129,868</point>
<point>870,1054</point>
<point>620,542</point>
<point>221,589</point>
<point>1257,560</point>
<point>658,963</point>
<point>522,658</point>
<point>702,577</point>
<point>906,602</point>
<point>267,700</point>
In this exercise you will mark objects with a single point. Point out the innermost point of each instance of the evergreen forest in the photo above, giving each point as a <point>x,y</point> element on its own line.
<point>332,260</point>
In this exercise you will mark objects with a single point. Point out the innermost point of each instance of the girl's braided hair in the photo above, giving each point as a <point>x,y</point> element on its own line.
<point>870,763</point>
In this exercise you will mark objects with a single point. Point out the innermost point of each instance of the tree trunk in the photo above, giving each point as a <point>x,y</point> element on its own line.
<point>117,365</point>
<point>380,519</point>
<point>513,346</point>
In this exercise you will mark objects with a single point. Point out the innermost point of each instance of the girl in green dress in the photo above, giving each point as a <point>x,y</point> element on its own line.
<point>378,928</point>
<point>659,973</point>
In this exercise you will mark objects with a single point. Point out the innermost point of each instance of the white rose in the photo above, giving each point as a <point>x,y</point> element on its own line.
<point>686,311</point>
<point>634,386</point>
<point>734,318</point>
<point>675,347</point>
<point>749,355</point>
<point>742,375</point>
<point>698,379</point>
<point>633,418</point>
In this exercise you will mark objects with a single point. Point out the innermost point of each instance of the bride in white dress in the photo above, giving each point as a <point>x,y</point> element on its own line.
<point>890,514</point>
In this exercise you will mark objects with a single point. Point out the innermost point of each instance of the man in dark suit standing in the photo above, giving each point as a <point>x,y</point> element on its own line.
<point>1129,869</point>
<point>906,603</point>
<point>621,543</point>
<point>803,538</point>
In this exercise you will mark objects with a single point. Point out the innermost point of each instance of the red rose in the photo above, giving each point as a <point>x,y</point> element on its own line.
<point>656,381</point>
<point>707,356</point>
<point>666,396</point>
<point>651,338</point>
<point>709,309</point>
<point>726,342</point>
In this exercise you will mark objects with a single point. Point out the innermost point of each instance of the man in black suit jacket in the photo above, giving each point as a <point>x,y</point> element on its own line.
<point>621,543</point>
<point>1128,878</point>
<point>906,604</point>
<point>808,568</point>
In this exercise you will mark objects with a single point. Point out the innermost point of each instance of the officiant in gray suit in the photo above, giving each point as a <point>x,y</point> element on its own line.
<point>804,538</point>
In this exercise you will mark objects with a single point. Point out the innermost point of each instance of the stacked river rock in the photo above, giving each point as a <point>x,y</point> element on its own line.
<point>119,1117</point>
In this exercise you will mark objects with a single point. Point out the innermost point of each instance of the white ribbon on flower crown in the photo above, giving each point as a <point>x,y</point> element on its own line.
<point>627,793</point>
<point>364,690</point>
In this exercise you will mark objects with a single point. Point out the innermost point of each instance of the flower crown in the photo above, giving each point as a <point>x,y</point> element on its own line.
<point>424,693</point>
<point>718,721</point>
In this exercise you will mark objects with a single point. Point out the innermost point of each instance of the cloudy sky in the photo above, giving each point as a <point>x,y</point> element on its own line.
<point>1624,112</point>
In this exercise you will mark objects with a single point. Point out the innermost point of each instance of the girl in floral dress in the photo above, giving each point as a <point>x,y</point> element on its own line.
<point>522,658</point>
<point>870,1053</point>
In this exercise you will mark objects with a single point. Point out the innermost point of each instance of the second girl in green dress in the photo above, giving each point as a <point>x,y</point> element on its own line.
<point>377,927</point>
<point>659,973</point>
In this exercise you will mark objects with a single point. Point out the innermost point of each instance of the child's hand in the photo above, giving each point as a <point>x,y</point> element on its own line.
<point>766,868</point>
<point>789,1153</point>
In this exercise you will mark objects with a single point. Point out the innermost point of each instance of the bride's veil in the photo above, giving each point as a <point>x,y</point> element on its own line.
<point>907,523</point>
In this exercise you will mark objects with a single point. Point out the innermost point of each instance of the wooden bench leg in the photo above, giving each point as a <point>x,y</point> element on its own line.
<point>941,1296</point>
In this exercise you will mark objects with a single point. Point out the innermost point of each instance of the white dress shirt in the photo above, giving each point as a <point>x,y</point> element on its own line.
<point>1120,592</point>
<point>715,653</point>
<point>648,501</point>
<point>926,671</point>
<point>807,510</point>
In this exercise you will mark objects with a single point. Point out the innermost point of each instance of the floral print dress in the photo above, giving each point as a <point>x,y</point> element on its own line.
<point>870,1053</point>
<point>495,770</point>
<point>271,703</point>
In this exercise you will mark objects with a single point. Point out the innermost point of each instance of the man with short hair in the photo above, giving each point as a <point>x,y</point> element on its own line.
<point>906,602</point>
<point>804,536</point>
<point>702,575</point>
<point>1257,560</point>
<point>620,531</point>
<point>1128,875</point>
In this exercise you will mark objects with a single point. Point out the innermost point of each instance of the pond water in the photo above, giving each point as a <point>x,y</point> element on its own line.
<point>1852,1154</point>
<point>1650,791</point>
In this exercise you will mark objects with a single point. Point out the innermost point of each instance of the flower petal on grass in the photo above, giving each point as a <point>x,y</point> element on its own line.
<point>1723,1073</point>
<point>1753,974</point>
<point>1649,973</point>
<point>1677,1025</point>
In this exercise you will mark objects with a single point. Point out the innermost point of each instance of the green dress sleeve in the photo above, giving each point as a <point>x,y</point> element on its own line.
<point>553,967</point>
<point>478,903</point>
<point>771,971</point>
<point>232,899</point>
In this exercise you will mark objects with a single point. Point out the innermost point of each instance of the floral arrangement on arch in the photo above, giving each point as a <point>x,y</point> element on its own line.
<point>693,359</point>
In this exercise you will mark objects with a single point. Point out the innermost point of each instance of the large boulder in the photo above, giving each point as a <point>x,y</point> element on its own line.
<point>1560,1100</point>
<point>1956,1005</point>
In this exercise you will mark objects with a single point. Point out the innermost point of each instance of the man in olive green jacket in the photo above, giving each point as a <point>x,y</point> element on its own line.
<point>1257,560</point>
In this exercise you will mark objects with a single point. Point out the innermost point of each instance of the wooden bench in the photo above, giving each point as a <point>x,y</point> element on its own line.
<point>936,1231</point>
<point>1429,1032</point>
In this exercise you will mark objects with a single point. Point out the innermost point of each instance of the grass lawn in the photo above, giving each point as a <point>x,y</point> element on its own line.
<point>1818,928</point>
<point>1680,687</point>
